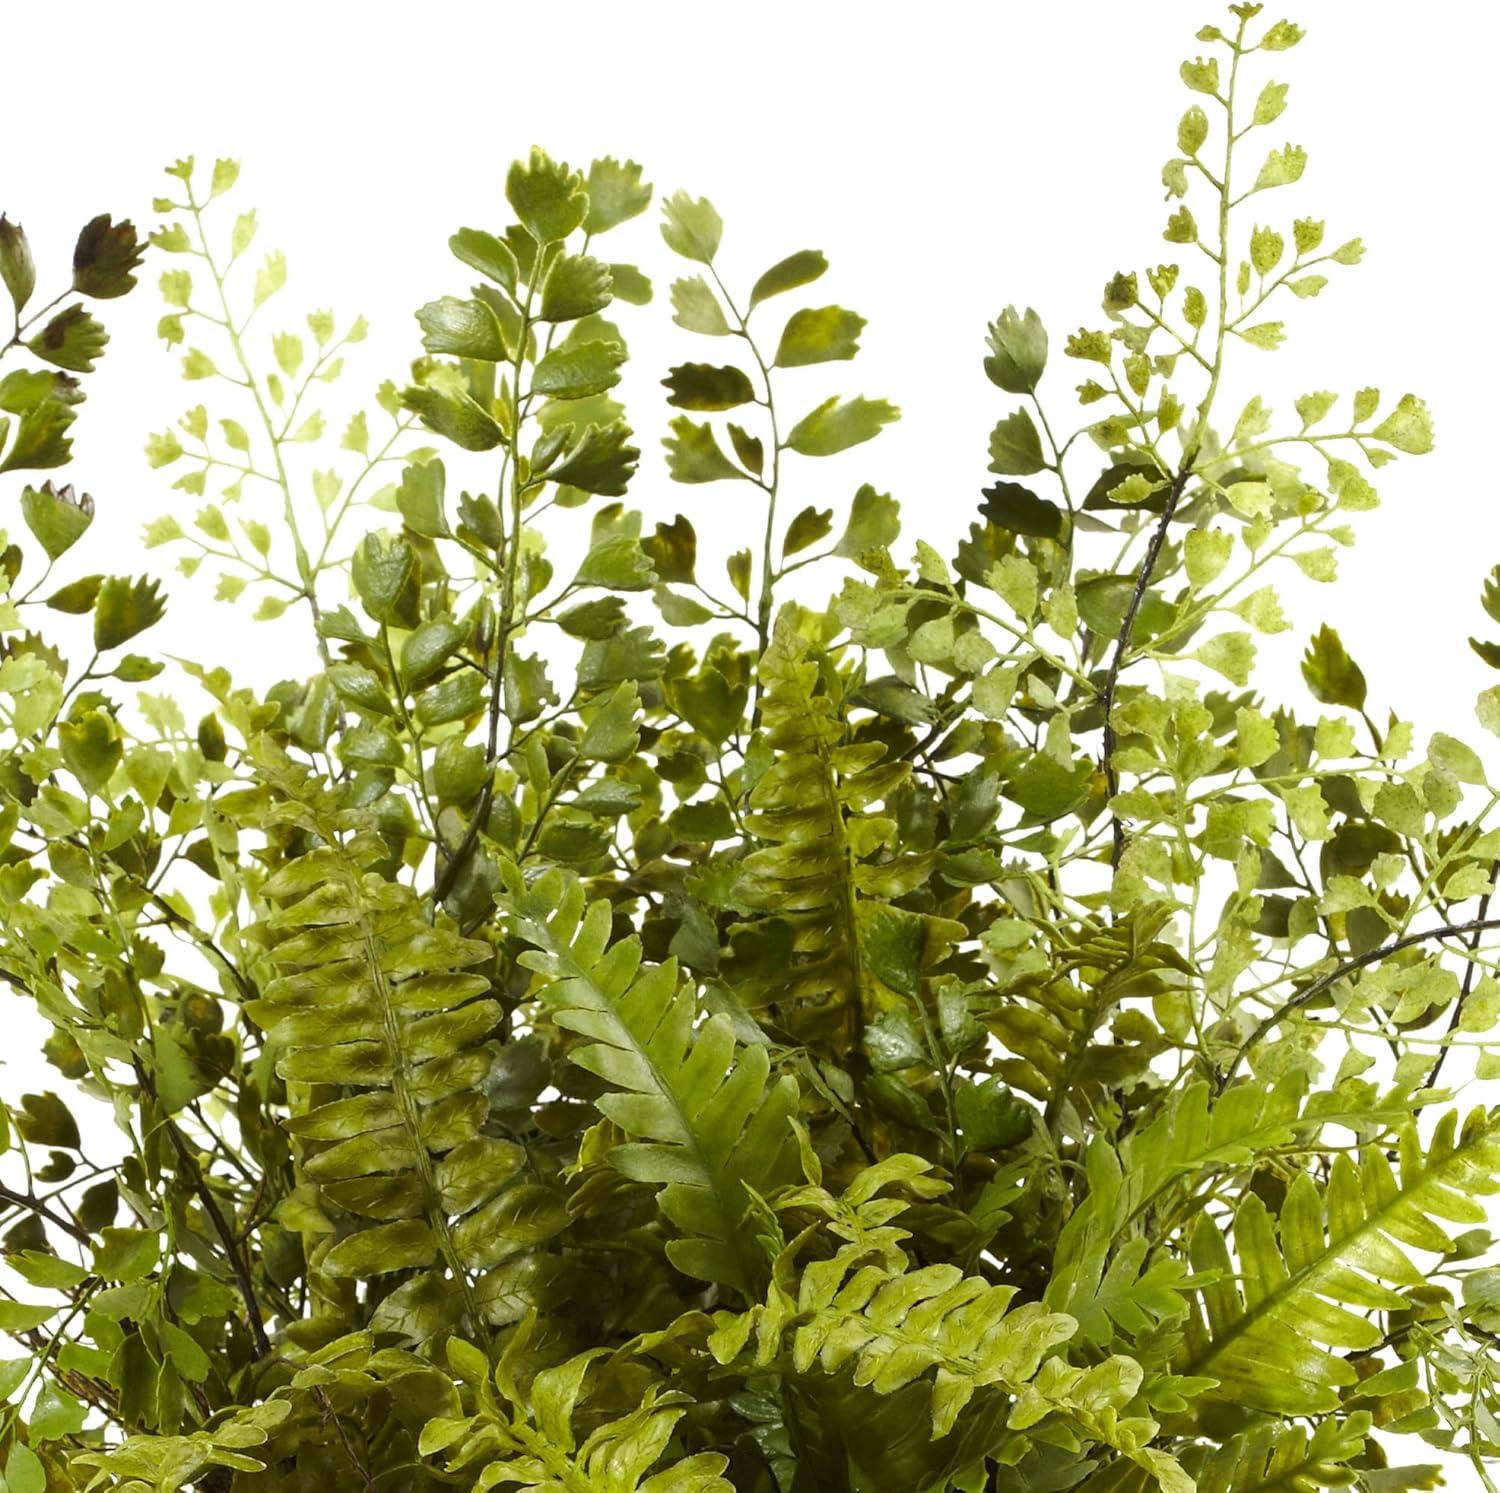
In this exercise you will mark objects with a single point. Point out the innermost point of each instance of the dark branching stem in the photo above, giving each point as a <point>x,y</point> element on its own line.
<point>506,624</point>
<point>37,1206</point>
<point>1305,997</point>
<point>232,1253</point>
<point>1122,642</point>
<point>1430,1082</point>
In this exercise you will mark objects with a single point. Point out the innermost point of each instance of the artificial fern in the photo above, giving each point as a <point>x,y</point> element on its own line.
<point>824,868</point>
<point>605,1023</point>
<point>1271,1330</point>
<point>373,1005</point>
<point>707,1124</point>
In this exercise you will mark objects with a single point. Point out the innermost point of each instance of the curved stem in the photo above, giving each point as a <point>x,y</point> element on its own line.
<point>1325,982</point>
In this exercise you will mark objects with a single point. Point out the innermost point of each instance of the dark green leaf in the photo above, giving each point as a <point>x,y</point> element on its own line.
<point>895,944</point>
<point>990,1116</point>
<point>893,1042</point>
<point>489,255</point>
<point>700,386</point>
<point>576,285</point>
<point>41,438</point>
<point>602,461</point>
<point>602,618</point>
<point>427,648</point>
<point>126,1254</point>
<point>1045,789</point>
<point>454,415</point>
<point>56,516</point>
<point>72,339</point>
<point>1332,676</point>
<point>383,567</point>
<point>420,499</point>
<point>77,597</point>
<point>748,448</point>
<point>1011,506</point>
<point>44,1120</point>
<point>455,698</point>
<point>710,704</point>
<point>124,608</point>
<point>673,550</point>
<point>103,258</point>
<point>611,731</point>
<point>809,526</point>
<point>17,272</point>
<point>528,690</point>
<point>92,748</point>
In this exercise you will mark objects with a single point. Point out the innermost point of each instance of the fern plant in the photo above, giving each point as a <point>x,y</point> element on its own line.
<point>597,1026</point>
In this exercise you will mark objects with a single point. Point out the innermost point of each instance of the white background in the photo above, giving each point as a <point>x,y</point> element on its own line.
<point>947,165</point>
<point>948,158</point>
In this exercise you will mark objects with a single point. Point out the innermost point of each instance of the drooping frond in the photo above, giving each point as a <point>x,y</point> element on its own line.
<point>894,1327</point>
<point>1195,1135</point>
<point>1059,995</point>
<point>525,1437</point>
<point>865,1314</point>
<point>824,847</point>
<point>380,1021</point>
<point>1280,1458</point>
<point>1266,1327</point>
<point>1106,1288</point>
<point>1274,1457</point>
<point>707,1119</point>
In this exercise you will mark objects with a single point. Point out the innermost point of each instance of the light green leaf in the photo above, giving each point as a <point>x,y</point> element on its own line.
<point>791,273</point>
<point>1408,427</point>
<point>694,453</point>
<point>819,335</point>
<point>692,227</point>
<point>696,308</point>
<point>1015,446</point>
<point>835,425</point>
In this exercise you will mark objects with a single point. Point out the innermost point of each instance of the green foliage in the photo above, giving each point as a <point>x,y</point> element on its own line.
<point>591,1027</point>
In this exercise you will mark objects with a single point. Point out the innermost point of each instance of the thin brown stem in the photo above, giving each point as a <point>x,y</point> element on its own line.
<point>1122,644</point>
<point>1326,982</point>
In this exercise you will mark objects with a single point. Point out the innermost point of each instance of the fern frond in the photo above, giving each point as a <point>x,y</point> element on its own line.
<point>1195,1137</point>
<point>1280,1458</point>
<point>894,1327</point>
<point>709,1123</point>
<point>863,1309</point>
<point>526,1436</point>
<point>379,1019</point>
<point>1274,1457</point>
<point>537,1450</point>
<point>823,852</point>
<point>1264,1331</point>
<point>1057,997</point>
